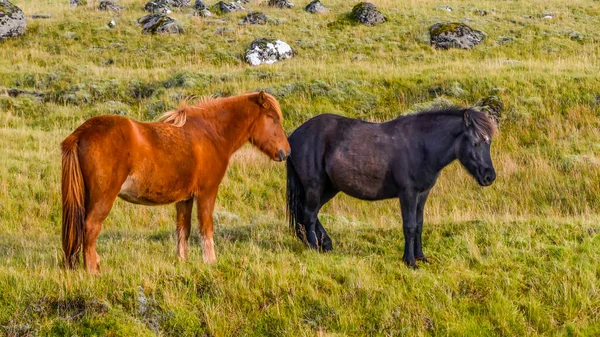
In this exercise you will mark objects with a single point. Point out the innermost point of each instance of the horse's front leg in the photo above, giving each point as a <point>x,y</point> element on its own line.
<point>206,205</point>
<point>184,223</point>
<point>408,205</point>
<point>419,256</point>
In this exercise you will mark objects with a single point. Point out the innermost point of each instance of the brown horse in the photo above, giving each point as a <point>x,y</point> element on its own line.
<point>181,157</point>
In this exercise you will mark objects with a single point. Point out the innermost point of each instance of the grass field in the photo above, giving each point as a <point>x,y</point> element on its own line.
<point>519,258</point>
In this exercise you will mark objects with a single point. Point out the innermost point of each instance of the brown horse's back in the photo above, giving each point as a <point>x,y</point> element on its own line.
<point>143,163</point>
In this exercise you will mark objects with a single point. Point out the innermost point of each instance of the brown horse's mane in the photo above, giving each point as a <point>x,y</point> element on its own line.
<point>206,107</point>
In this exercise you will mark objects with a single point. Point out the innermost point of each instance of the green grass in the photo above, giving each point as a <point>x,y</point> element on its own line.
<point>518,258</point>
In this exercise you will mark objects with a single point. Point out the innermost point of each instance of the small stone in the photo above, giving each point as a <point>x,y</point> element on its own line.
<point>76,3</point>
<point>203,13</point>
<point>107,5</point>
<point>574,35</point>
<point>12,20</point>
<point>268,51</point>
<point>159,23</point>
<point>223,30</point>
<point>223,7</point>
<point>255,18</point>
<point>366,13</point>
<point>316,7</point>
<point>281,3</point>
<point>41,16</point>
<point>505,39</point>
<point>454,35</point>
<point>112,24</point>
<point>446,8</point>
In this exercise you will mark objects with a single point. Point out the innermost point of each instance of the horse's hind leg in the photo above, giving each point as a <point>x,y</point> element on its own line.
<point>324,241</point>
<point>184,223</point>
<point>311,211</point>
<point>97,210</point>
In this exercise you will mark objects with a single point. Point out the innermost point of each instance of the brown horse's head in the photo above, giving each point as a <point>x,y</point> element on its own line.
<point>267,133</point>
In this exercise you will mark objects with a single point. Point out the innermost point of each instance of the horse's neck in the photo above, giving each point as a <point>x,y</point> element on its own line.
<point>442,148</point>
<point>232,125</point>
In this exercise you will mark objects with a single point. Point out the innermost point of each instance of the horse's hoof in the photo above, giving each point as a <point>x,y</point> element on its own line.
<point>327,247</point>
<point>411,264</point>
<point>422,259</point>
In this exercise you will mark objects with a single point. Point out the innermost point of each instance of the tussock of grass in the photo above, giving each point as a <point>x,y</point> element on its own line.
<point>517,258</point>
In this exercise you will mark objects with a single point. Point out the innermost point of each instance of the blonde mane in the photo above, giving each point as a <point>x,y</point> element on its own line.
<point>203,107</point>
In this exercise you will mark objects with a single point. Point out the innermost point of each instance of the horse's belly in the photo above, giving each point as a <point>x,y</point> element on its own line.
<point>367,182</point>
<point>136,192</point>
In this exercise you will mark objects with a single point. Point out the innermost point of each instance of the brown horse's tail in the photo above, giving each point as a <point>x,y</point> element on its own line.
<point>295,201</point>
<point>73,201</point>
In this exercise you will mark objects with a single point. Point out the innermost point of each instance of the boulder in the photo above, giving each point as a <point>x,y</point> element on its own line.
<point>268,51</point>
<point>12,20</point>
<point>160,7</point>
<point>366,13</point>
<point>454,35</point>
<point>159,23</point>
<point>316,7</point>
<point>179,3</point>
<point>199,5</point>
<point>224,7</point>
<point>281,3</point>
<point>255,18</point>
<point>108,5</point>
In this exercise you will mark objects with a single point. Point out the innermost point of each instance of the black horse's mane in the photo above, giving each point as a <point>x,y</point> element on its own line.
<point>479,121</point>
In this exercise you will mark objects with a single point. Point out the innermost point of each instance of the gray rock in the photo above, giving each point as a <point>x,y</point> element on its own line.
<point>446,8</point>
<point>454,35</point>
<point>366,13</point>
<point>41,16</point>
<point>112,24</point>
<point>281,3</point>
<point>179,3</point>
<point>316,7</point>
<point>160,7</point>
<point>159,23</point>
<point>76,3</point>
<point>199,5</point>
<point>203,13</point>
<point>255,18</point>
<point>15,92</point>
<point>268,51</point>
<point>108,5</point>
<point>224,7</point>
<point>12,20</point>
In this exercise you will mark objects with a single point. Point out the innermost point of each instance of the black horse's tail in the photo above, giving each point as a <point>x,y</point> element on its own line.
<point>295,201</point>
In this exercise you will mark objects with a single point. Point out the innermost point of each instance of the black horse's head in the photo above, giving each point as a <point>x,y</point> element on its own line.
<point>473,149</point>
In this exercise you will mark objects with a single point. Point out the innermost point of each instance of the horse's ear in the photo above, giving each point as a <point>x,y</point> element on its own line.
<point>467,118</point>
<point>262,100</point>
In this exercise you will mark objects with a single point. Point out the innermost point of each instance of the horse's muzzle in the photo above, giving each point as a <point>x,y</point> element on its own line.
<point>282,155</point>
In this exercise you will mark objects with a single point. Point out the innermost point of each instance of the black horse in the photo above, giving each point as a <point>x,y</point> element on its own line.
<point>401,159</point>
